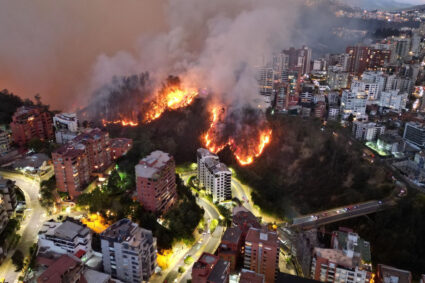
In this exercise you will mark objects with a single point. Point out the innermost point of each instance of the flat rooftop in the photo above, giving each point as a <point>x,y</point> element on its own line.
<point>152,164</point>
<point>232,235</point>
<point>336,256</point>
<point>219,272</point>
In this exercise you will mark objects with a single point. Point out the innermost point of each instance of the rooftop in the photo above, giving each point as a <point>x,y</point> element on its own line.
<point>35,161</point>
<point>120,142</point>
<point>67,116</point>
<point>352,242</point>
<point>220,272</point>
<point>248,276</point>
<point>66,230</point>
<point>262,236</point>
<point>152,164</point>
<point>125,230</point>
<point>390,274</point>
<point>232,235</point>
<point>336,256</point>
<point>63,265</point>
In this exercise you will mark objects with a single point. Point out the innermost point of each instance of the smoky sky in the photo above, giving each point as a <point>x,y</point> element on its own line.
<point>50,47</point>
<point>68,50</point>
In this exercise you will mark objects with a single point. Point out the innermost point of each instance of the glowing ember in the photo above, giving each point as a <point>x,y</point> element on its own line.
<point>123,122</point>
<point>245,151</point>
<point>171,97</point>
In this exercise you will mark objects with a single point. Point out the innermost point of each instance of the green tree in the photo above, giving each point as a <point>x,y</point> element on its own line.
<point>18,260</point>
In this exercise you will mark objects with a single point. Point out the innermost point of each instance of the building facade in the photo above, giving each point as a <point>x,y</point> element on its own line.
<point>262,253</point>
<point>66,127</point>
<point>214,176</point>
<point>367,131</point>
<point>72,170</point>
<point>5,142</point>
<point>210,269</point>
<point>128,251</point>
<point>156,182</point>
<point>68,237</point>
<point>414,133</point>
<point>29,123</point>
<point>120,147</point>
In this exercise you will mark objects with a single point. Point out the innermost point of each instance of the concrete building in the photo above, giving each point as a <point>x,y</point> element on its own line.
<point>353,103</point>
<point>68,237</point>
<point>29,123</point>
<point>210,269</point>
<point>7,191</point>
<point>337,79</point>
<point>262,253</point>
<point>248,276</point>
<point>5,142</point>
<point>414,133</point>
<point>72,169</point>
<point>129,252</point>
<point>230,248</point>
<point>156,182</point>
<point>97,148</point>
<point>66,268</point>
<point>333,112</point>
<point>214,176</point>
<point>371,89</point>
<point>265,80</point>
<point>393,100</point>
<point>388,274</point>
<point>367,131</point>
<point>349,259</point>
<point>66,127</point>
<point>359,58</point>
<point>120,147</point>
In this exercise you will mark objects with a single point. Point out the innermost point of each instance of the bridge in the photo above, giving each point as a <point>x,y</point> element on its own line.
<point>318,219</point>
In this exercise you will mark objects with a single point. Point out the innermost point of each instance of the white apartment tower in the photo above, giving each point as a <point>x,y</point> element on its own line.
<point>129,252</point>
<point>214,176</point>
<point>66,127</point>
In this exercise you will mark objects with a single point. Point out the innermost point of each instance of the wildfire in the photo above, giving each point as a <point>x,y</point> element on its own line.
<point>246,152</point>
<point>123,122</point>
<point>171,97</point>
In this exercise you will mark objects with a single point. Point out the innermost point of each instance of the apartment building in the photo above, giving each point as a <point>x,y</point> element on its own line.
<point>230,248</point>
<point>5,142</point>
<point>66,127</point>
<point>7,191</point>
<point>262,253</point>
<point>29,123</point>
<point>210,269</point>
<point>129,252</point>
<point>214,176</point>
<point>367,131</point>
<point>156,182</point>
<point>68,237</point>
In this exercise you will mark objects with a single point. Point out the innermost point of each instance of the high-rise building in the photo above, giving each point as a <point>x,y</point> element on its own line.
<point>266,80</point>
<point>379,58</point>
<point>66,127</point>
<point>349,259</point>
<point>97,147</point>
<point>394,100</point>
<point>353,103</point>
<point>29,123</point>
<point>210,269</point>
<point>5,141</point>
<point>359,57</point>
<point>214,176</point>
<point>414,133</point>
<point>7,191</point>
<point>156,182</point>
<point>128,251</point>
<point>402,47</point>
<point>299,59</point>
<point>120,147</point>
<point>337,79</point>
<point>68,237</point>
<point>72,170</point>
<point>230,248</point>
<point>367,131</point>
<point>262,253</point>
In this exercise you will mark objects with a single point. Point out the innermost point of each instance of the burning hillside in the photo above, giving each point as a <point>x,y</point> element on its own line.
<point>244,130</point>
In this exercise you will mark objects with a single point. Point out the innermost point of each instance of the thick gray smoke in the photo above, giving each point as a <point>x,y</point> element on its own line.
<point>209,44</point>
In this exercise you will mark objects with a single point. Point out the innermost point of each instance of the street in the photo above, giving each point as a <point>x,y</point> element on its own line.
<point>35,216</point>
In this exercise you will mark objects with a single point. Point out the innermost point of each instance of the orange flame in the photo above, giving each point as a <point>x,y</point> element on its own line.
<point>123,122</point>
<point>245,155</point>
<point>171,97</point>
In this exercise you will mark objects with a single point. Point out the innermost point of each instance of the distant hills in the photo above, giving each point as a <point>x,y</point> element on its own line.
<point>377,4</point>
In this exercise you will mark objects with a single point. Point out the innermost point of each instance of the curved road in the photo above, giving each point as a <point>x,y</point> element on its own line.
<point>35,216</point>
